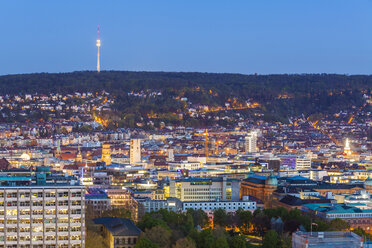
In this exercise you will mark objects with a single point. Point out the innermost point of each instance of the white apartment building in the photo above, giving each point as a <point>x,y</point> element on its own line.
<point>170,204</point>
<point>41,210</point>
<point>42,216</point>
<point>205,189</point>
<point>229,206</point>
<point>303,163</point>
<point>183,165</point>
<point>251,142</point>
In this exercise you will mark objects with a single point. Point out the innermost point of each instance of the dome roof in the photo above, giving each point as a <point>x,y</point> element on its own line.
<point>271,180</point>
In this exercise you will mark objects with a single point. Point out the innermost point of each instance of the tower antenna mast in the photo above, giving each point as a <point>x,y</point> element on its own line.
<point>98,44</point>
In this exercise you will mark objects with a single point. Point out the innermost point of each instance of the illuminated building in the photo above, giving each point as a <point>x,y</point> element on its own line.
<point>260,187</point>
<point>106,154</point>
<point>229,206</point>
<point>183,165</point>
<point>251,142</point>
<point>205,189</point>
<point>170,204</point>
<point>347,149</point>
<point>135,151</point>
<point>170,155</point>
<point>36,211</point>
<point>79,157</point>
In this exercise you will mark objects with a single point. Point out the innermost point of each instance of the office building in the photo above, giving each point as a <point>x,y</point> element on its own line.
<point>251,142</point>
<point>229,206</point>
<point>170,204</point>
<point>205,189</point>
<point>37,211</point>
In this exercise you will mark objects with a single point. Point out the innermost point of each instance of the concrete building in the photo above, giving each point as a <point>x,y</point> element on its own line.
<point>326,239</point>
<point>303,163</point>
<point>260,187</point>
<point>205,189</point>
<point>135,151</point>
<point>356,217</point>
<point>37,213</point>
<point>170,204</point>
<point>183,165</point>
<point>96,202</point>
<point>229,206</point>
<point>251,142</point>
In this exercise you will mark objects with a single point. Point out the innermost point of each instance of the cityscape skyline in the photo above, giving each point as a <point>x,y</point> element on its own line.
<point>127,142</point>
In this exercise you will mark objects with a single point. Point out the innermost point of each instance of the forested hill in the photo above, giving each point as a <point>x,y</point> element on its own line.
<point>236,84</point>
<point>278,96</point>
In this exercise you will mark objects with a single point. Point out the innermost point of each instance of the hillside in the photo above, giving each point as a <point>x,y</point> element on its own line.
<point>169,96</point>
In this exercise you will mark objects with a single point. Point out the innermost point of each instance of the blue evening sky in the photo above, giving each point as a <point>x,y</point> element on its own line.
<point>244,36</point>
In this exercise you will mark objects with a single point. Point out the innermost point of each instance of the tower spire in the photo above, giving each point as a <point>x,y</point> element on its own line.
<point>98,44</point>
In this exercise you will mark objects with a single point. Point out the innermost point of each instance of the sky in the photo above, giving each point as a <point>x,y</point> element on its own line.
<point>234,36</point>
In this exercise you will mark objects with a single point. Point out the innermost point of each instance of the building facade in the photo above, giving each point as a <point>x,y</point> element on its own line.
<point>251,142</point>
<point>205,189</point>
<point>228,206</point>
<point>37,215</point>
<point>118,232</point>
<point>135,151</point>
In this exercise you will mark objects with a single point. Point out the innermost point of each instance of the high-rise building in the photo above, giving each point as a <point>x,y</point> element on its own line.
<point>135,151</point>
<point>106,154</point>
<point>170,155</point>
<point>347,149</point>
<point>251,142</point>
<point>41,210</point>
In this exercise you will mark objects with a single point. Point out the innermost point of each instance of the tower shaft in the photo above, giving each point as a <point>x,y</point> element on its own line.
<point>98,62</point>
<point>98,44</point>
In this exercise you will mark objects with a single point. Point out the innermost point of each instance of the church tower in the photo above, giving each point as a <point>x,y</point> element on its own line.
<point>106,154</point>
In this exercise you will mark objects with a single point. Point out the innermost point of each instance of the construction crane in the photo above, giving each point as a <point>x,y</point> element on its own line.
<point>206,135</point>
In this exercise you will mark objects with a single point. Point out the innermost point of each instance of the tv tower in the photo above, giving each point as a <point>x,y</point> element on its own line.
<point>98,44</point>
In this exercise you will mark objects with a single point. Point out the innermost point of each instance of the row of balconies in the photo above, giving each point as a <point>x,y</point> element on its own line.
<point>39,198</point>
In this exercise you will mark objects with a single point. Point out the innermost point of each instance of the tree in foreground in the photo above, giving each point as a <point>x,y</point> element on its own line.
<point>159,235</point>
<point>238,242</point>
<point>117,212</point>
<point>93,239</point>
<point>339,225</point>
<point>271,240</point>
<point>205,239</point>
<point>184,243</point>
<point>145,243</point>
<point>221,242</point>
<point>220,217</point>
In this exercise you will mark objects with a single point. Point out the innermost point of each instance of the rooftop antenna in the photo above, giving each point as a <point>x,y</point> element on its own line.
<point>98,44</point>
